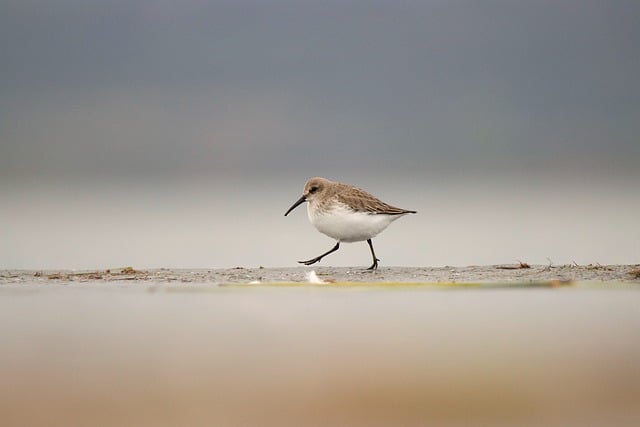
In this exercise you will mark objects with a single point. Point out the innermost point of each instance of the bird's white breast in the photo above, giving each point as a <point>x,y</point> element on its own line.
<point>346,225</point>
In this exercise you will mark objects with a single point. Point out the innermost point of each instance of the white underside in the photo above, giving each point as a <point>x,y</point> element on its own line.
<point>345,225</point>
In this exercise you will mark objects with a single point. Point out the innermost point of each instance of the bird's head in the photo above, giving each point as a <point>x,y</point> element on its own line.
<point>313,189</point>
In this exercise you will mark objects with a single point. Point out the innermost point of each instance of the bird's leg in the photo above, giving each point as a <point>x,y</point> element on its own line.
<point>319,257</point>
<point>374,266</point>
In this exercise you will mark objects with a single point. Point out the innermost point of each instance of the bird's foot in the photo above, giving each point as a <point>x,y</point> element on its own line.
<point>311,261</point>
<point>374,266</point>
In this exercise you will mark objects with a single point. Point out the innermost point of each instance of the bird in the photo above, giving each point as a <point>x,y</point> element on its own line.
<point>346,214</point>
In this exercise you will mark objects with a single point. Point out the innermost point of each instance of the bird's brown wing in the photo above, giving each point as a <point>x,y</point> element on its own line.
<point>361,201</point>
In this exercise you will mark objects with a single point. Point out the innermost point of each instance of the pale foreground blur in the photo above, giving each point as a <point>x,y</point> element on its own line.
<point>122,355</point>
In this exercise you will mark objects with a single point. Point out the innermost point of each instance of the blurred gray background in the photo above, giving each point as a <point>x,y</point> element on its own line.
<point>176,134</point>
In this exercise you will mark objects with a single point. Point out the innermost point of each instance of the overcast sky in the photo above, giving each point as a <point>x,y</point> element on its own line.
<point>170,90</point>
<point>116,94</point>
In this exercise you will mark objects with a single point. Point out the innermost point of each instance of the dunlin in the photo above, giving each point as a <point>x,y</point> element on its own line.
<point>346,214</point>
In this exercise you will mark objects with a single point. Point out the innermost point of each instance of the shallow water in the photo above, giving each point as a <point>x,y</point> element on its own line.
<point>478,220</point>
<point>161,354</point>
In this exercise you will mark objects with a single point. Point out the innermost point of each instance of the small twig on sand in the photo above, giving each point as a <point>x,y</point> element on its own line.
<point>548,267</point>
<point>514,267</point>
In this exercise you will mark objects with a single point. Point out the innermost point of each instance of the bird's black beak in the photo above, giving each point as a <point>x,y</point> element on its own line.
<point>300,201</point>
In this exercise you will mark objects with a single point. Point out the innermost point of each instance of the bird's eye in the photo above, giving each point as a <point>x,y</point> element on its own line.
<point>313,189</point>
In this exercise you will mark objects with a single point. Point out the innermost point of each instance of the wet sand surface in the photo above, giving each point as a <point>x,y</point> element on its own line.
<point>552,346</point>
<point>507,273</point>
